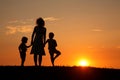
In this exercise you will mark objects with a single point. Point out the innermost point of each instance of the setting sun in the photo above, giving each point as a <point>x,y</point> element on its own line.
<point>83,63</point>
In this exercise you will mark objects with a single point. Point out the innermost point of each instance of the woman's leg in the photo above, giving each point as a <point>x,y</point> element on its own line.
<point>40,60</point>
<point>35,59</point>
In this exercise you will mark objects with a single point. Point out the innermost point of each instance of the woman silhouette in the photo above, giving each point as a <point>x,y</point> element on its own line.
<point>38,39</point>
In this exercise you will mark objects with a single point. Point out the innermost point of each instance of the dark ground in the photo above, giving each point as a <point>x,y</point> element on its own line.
<point>57,73</point>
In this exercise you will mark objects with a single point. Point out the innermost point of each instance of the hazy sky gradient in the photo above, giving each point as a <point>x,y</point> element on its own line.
<point>87,29</point>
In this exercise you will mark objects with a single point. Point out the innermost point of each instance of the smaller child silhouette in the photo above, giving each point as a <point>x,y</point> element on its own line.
<point>52,44</point>
<point>22,49</point>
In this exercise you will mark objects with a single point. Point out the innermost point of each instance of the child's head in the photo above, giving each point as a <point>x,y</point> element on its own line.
<point>51,35</point>
<point>24,39</point>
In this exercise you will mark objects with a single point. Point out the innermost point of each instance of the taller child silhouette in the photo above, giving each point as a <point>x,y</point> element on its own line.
<point>52,44</point>
<point>38,39</point>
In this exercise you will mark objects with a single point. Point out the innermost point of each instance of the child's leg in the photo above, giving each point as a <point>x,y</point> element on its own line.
<point>52,58</point>
<point>21,59</point>
<point>23,56</point>
<point>57,54</point>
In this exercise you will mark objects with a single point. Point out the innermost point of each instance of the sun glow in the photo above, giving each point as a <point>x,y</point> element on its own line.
<point>83,62</point>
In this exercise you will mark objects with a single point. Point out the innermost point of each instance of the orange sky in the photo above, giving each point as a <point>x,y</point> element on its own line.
<point>87,29</point>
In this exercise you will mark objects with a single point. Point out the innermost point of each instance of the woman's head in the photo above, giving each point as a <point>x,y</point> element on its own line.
<point>40,22</point>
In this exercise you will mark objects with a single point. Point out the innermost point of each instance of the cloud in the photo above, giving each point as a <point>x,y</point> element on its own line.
<point>20,25</point>
<point>21,29</point>
<point>14,21</point>
<point>51,19</point>
<point>23,25</point>
<point>22,21</point>
<point>11,30</point>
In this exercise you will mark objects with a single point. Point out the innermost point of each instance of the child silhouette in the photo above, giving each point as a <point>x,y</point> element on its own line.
<point>52,44</point>
<point>22,49</point>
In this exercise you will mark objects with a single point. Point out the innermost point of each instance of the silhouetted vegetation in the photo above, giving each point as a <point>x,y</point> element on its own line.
<point>57,73</point>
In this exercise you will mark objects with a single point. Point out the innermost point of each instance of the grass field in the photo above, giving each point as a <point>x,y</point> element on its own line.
<point>57,73</point>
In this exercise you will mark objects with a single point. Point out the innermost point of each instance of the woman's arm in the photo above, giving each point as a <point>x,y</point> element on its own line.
<point>32,38</point>
<point>44,36</point>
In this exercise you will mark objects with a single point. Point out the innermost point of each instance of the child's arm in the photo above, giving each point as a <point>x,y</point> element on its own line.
<point>55,43</point>
<point>45,42</point>
<point>29,46</point>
